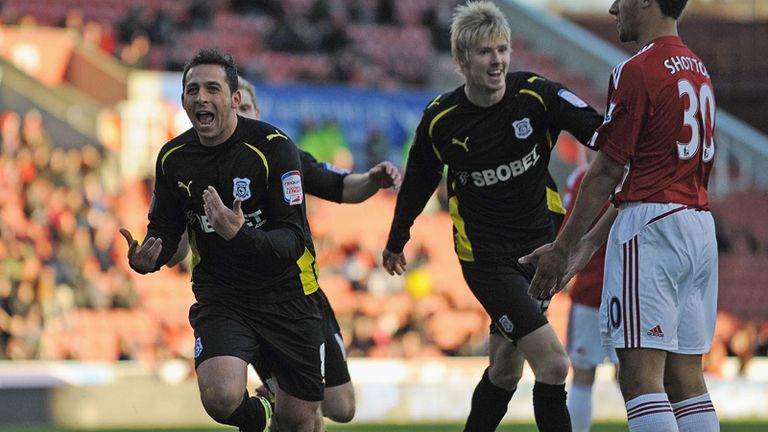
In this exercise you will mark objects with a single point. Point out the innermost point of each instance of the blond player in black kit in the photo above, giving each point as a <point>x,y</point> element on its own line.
<point>496,134</point>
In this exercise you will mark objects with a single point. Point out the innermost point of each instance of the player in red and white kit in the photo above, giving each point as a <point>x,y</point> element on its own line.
<point>584,345</point>
<point>660,290</point>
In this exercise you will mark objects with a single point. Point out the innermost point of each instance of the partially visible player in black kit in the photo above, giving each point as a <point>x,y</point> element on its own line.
<point>238,183</point>
<point>496,133</point>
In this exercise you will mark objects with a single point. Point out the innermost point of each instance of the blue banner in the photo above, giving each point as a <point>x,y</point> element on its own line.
<point>356,111</point>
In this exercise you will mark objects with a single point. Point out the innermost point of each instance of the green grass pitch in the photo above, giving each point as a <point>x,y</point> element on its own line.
<point>726,427</point>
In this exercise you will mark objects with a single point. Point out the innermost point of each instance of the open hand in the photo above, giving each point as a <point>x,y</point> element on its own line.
<point>224,221</point>
<point>142,258</point>
<point>393,262</point>
<point>551,267</point>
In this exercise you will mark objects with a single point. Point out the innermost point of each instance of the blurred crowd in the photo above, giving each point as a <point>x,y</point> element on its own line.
<point>58,226</point>
<point>63,274</point>
<point>346,41</point>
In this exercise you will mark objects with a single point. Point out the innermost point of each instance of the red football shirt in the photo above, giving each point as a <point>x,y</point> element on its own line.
<point>587,287</point>
<point>660,125</point>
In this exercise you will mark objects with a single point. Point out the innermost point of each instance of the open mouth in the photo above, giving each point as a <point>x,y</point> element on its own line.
<point>497,73</point>
<point>205,118</point>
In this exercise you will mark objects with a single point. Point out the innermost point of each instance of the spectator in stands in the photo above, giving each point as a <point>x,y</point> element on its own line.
<point>200,14</point>
<point>324,141</point>
<point>376,147</point>
<point>385,12</point>
<point>287,35</point>
<point>162,29</point>
<point>134,23</point>
<point>335,38</point>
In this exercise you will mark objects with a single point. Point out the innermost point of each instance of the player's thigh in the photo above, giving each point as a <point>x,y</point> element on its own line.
<point>639,307</point>
<point>291,336</point>
<point>222,381</point>
<point>223,344</point>
<point>221,331</point>
<point>336,368</point>
<point>584,343</point>
<point>501,287</point>
<point>699,297</point>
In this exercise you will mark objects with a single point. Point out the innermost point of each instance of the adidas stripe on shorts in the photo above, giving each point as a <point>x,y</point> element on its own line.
<point>660,285</point>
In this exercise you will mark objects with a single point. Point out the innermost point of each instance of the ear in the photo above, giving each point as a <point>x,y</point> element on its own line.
<point>644,4</point>
<point>236,97</point>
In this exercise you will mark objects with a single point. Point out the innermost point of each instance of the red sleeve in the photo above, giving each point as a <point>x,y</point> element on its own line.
<point>628,102</point>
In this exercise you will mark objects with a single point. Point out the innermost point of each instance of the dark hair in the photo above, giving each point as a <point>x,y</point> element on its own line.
<point>217,57</point>
<point>672,8</point>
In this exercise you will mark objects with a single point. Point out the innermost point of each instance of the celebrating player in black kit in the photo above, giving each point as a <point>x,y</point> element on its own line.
<point>496,133</point>
<point>332,184</point>
<point>238,183</point>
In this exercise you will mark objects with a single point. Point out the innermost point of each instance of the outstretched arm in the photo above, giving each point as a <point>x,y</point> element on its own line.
<point>552,259</point>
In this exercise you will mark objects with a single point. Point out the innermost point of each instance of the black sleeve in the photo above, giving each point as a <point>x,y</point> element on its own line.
<point>166,217</point>
<point>422,175</point>
<point>282,239</point>
<point>566,111</point>
<point>319,180</point>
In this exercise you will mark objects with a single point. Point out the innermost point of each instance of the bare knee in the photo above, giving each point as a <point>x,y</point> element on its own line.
<point>505,377</point>
<point>553,369</point>
<point>221,401</point>
<point>340,411</point>
<point>339,403</point>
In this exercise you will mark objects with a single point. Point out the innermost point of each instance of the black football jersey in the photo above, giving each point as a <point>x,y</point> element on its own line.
<point>271,258</point>
<point>497,159</point>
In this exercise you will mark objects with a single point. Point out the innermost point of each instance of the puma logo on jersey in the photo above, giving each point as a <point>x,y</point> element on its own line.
<point>277,134</point>
<point>462,144</point>
<point>185,187</point>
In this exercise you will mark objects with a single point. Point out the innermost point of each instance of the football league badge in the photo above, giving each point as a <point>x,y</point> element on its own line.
<point>293,193</point>
<point>242,188</point>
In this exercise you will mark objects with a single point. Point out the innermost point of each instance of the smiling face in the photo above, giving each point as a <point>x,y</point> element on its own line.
<point>626,13</point>
<point>210,103</point>
<point>485,68</point>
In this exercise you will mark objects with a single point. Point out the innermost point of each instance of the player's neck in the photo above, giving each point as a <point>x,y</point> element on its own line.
<point>660,28</point>
<point>482,97</point>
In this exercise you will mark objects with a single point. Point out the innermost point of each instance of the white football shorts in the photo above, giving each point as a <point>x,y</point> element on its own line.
<point>660,285</point>
<point>584,343</point>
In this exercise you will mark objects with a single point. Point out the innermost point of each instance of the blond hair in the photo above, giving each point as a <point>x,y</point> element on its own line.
<point>475,22</point>
<point>243,84</point>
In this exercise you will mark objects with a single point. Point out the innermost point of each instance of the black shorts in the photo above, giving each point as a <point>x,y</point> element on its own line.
<point>336,370</point>
<point>501,286</point>
<point>289,332</point>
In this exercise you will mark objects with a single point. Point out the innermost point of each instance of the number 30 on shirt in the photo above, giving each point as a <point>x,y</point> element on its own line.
<point>700,118</point>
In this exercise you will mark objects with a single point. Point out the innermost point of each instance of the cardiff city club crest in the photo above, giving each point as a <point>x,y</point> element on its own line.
<point>522,128</point>
<point>242,188</point>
